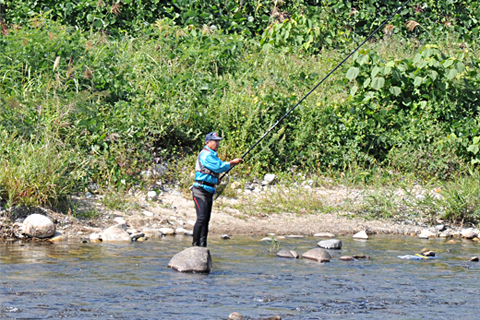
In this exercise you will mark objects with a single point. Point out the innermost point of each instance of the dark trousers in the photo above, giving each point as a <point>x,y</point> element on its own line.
<point>203,204</point>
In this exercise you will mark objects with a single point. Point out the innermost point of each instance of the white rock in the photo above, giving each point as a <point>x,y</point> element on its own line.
<point>152,195</point>
<point>324,235</point>
<point>152,233</point>
<point>119,220</point>
<point>360,235</point>
<point>38,226</point>
<point>167,231</point>
<point>191,222</point>
<point>147,213</point>
<point>269,178</point>
<point>114,234</point>
<point>469,233</point>
<point>180,230</point>
<point>94,236</point>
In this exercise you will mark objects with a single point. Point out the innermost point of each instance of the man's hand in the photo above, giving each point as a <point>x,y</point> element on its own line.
<point>235,161</point>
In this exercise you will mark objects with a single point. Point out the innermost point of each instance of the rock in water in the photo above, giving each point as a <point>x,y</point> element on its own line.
<point>284,253</point>
<point>360,235</point>
<point>317,254</point>
<point>324,235</point>
<point>195,259</point>
<point>115,233</point>
<point>330,244</point>
<point>235,316</point>
<point>38,226</point>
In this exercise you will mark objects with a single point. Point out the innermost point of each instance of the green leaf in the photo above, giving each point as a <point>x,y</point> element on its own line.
<point>473,148</point>
<point>375,71</point>
<point>362,59</point>
<point>395,91</point>
<point>452,74</point>
<point>353,90</point>
<point>448,63</point>
<point>90,17</point>
<point>191,13</point>
<point>367,82</point>
<point>352,73</point>
<point>418,81</point>
<point>378,82</point>
<point>460,67</point>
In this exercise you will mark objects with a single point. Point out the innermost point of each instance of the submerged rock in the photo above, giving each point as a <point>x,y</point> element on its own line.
<point>38,226</point>
<point>194,259</point>
<point>115,233</point>
<point>284,253</point>
<point>347,258</point>
<point>474,259</point>
<point>330,244</point>
<point>317,254</point>
<point>59,236</point>
<point>235,316</point>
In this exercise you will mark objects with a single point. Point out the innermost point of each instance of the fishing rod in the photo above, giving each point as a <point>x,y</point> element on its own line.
<point>318,84</point>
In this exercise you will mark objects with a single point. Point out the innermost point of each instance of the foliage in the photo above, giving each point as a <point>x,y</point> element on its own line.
<point>36,171</point>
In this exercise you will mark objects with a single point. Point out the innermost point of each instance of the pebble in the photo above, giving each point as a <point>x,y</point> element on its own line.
<point>347,258</point>
<point>225,237</point>
<point>451,242</point>
<point>361,256</point>
<point>119,220</point>
<point>147,213</point>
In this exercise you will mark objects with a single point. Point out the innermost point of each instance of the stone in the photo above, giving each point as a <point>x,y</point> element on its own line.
<point>445,234</point>
<point>429,254</point>
<point>59,236</point>
<point>115,234</point>
<point>474,259</point>
<point>38,226</point>
<point>360,235</point>
<point>191,222</point>
<point>324,235</point>
<point>167,231</point>
<point>225,237</point>
<point>152,233</point>
<point>294,236</point>
<point>451,242</point>
<point>159,169</point>
<point>235,316</point>
<point>427,234</point>
<point>330,244</point>
<point>119,220</point>
<point>269,178</point>
<point>469,233</point>
<point>284,253</point>
<point>268,239</point>
<point>147,213</point>
<point>440,227</point>
<point>188,233</point>
<point>135,236</point>
<point>152,195</point>
<point>361,256</point>
<point>194,260</point>
<point>317,254</point>
<point>347,258</point>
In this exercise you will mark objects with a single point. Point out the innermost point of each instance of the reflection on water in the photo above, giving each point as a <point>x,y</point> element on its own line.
<point>85,281</point>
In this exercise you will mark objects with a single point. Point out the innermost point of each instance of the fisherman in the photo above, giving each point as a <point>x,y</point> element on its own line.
<point>208,169</point>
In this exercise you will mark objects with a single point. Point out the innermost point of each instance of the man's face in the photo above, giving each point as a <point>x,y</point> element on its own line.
<point>213,144</point>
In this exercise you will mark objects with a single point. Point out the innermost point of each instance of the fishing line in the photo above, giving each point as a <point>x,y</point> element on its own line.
<point>318,84</point>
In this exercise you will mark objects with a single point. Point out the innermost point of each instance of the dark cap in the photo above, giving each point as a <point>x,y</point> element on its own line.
<point>212,136</point>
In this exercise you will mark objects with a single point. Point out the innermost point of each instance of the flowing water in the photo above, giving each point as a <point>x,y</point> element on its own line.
<point>131,281</point>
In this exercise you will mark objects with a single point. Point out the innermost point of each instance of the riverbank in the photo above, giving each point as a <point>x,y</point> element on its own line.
<point>307,211</point>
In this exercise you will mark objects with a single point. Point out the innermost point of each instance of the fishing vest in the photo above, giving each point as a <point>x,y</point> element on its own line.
<point>199,167</point>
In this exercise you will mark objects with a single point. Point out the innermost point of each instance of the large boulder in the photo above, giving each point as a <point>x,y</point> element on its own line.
<point>330,244</point>
<point>194,259</point>
<point>317,254</point>
<point>38,226</point>
<point>115,233</point>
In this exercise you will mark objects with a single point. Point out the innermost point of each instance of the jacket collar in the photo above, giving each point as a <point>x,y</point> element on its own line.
<point>207,148</point>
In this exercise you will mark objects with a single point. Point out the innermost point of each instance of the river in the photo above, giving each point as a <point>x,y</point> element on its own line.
<point>131,281</point>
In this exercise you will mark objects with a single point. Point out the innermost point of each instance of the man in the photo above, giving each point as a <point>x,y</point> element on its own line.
<point>208,169</point>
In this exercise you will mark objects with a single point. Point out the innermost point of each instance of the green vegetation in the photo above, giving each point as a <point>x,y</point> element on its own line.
<point>96,92</point>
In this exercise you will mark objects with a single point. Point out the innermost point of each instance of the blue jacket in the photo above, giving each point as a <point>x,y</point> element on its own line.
<point>208,159</point>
